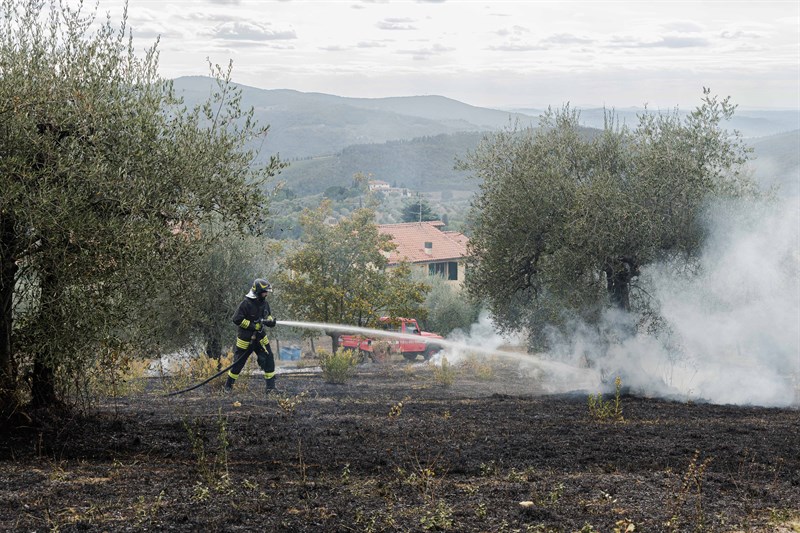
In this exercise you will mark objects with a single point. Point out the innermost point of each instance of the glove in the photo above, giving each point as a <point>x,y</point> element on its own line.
<point>258,326</point>
<point>269,321</point>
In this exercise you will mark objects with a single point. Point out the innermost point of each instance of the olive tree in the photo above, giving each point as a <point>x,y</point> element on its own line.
<point>449,308</point>
<point>566,217</point>
<point>111,191</point>
<point>338,275</point>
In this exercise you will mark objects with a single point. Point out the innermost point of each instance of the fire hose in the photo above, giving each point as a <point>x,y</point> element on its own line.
<point>198,385</point>
<point>218,374</point>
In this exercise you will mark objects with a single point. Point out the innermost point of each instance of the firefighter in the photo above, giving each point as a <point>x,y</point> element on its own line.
<point>251,317</point>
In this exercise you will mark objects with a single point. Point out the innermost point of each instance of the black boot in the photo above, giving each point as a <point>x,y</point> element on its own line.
<point>228,388</point>
<point>270,385</point>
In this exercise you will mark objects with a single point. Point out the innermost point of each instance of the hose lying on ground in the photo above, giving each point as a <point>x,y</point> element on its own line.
<point>218,374</point>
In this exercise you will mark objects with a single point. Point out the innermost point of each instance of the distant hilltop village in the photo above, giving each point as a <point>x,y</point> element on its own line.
<point>382,186</point>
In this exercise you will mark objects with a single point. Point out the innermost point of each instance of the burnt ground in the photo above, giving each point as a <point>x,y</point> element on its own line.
<point>394,449</point>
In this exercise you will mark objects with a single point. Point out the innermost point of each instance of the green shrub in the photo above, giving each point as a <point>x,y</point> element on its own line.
<point>338,367</point>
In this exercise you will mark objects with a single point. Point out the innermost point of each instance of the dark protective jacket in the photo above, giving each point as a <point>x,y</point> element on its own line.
<point>248,316</point>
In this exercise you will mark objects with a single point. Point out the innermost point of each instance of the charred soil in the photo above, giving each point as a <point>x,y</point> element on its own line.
<point>395,449</point>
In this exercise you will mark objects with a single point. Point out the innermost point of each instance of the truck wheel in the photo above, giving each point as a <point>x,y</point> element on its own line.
<point>430,351</point>
<point>363,356</point>
<point>380,355</point>
<point>410,356</point>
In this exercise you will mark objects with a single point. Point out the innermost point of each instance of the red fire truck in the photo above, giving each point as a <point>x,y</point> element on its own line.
<point>419,343</point>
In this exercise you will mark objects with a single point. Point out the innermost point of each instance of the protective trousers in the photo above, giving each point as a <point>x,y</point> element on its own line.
<point>264,357</point>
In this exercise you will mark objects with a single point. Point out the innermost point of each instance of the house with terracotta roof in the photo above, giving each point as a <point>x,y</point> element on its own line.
<point>378,185</point>
<point>427,248</point>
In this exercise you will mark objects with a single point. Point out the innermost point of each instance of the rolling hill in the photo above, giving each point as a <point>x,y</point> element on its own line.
<point>314,124</point>
<point>414,141</point>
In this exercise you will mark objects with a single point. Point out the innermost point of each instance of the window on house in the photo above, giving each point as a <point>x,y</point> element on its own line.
<point>452,271</point>
<point>437,269</point>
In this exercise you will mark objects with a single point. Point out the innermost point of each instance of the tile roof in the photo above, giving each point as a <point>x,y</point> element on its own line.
<point>411,237</point>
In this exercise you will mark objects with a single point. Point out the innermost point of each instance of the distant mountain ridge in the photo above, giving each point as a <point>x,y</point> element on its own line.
<point>414,141</point>
<point>750,123</point>
<point>314,124</point>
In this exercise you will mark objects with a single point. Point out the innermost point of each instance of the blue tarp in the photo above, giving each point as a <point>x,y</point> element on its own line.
<point>290,353</point>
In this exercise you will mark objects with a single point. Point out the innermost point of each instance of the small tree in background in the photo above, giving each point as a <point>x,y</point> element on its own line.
<point>418,211</point>
<point>449,308</point>
<point>339,276</point>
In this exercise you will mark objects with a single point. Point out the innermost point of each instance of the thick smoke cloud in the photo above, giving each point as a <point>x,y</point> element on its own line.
<point>732,332</point>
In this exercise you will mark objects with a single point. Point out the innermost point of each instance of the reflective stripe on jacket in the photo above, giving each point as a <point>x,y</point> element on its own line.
<point>247,317</point>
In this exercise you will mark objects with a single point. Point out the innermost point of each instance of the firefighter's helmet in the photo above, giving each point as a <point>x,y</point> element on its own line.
<point>261,286</point>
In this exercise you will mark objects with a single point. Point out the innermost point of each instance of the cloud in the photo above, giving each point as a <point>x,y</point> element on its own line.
<point>370,44</point>
<point>396,24</point>
<point>208,17</point>
<point>146,31</point>
<point>514,44</point>
<point>251,31</point>
<point>566,38</point>
<point>517,47</point>
<point>740,34</point>
<point>513,30</point>
<point>671,41</point>
<point>422,54</point>
<point>683,26</point>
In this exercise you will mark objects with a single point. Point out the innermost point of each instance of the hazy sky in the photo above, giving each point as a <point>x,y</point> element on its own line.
<point>493,54</point>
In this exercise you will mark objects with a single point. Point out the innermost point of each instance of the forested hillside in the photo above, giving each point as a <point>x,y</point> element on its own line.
<point>422,164</point>
<point>777,162</point>
<point>426,164</point>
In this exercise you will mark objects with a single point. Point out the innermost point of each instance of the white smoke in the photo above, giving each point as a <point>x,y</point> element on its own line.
<point>733,329</point>
<point>484,342</point>
<point>482,337</point>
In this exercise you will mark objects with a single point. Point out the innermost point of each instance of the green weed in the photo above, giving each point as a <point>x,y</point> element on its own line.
<point>397,409</point>
<point>146,511</point>
<point>289,403</point>
<point>488,469</point>
<point>116,374</point>
<point>691,487</point>
<point>478,368</point>
<point>212,465</point>
<point>439,518</point>
<point>445,374</point>
<point>607,410</point>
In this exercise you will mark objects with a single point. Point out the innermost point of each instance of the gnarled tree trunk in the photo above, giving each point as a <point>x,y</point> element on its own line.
<point>619,274</point>
<point>43,379</point>
<point>8,271</point>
